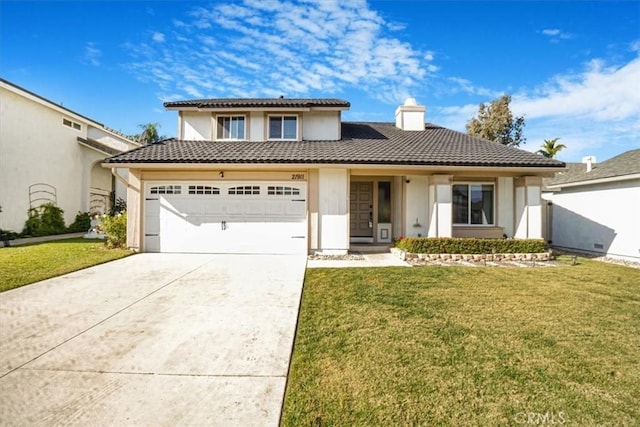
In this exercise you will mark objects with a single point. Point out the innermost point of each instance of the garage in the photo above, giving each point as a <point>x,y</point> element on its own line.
<point>225,217</point>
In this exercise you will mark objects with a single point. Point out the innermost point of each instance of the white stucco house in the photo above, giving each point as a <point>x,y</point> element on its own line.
<point>288,175</point>
<point>49,153</point>
<point>595,207</point>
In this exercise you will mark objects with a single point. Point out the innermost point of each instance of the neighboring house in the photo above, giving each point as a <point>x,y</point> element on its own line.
<point>287,175</point>
<point>596,207</point>
<point>49,153</point>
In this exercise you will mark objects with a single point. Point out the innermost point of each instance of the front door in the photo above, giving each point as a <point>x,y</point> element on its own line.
<point>361,209</point>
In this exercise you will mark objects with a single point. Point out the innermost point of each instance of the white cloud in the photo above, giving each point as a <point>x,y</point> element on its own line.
<point>291,48</point>
<point>91,54</point>
<point>158,37</point>
<point>555,34</point>
<point>551,32</point>
<point>598,93</point>
<point>595,109</point>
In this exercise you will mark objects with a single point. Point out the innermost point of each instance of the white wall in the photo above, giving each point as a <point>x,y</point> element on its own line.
<point>416,206</point>
<point>316,125</point>
<point>108,139</point>
<point>197,126</point>
<point>604,214</point>
<point>35,147</point>
<point>321,125</point>
<point>333,221</point>
<point>256,127</point>
<point>121,188</point>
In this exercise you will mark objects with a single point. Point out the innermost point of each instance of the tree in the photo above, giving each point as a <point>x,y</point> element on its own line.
<point>149,133</point>
<point>550,148</point>
<point>495,122</point>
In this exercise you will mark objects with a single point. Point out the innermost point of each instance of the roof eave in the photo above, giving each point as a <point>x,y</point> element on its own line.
<point>245,109</point>
<point>511,170</point>
<point>594,181</point>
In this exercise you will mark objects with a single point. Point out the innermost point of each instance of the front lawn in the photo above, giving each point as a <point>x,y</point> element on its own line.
<point>21,265</point>
<point>467,346</point>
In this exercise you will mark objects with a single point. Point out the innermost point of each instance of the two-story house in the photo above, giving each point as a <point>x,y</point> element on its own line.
<point>51,154</point>
<point>288,175</point>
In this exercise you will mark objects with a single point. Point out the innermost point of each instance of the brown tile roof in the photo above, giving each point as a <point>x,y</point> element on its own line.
<point>259,103</point>
<point>362,143</point>
<point>627,163</point>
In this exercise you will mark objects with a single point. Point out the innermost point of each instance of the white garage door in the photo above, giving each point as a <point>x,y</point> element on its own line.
<point>226,217</point>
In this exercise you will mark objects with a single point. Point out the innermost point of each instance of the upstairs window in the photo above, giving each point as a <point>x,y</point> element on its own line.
<point>231,127</point>
<point>71,124</point>
<point>283,127</point>
<point>473,204</point>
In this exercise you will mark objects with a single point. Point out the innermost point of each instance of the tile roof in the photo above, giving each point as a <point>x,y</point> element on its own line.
<point>362,143</point>
<point>259,103</point>
<point>627,163</point>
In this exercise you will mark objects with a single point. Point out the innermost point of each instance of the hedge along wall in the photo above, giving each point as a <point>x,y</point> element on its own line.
<point>452,245</point>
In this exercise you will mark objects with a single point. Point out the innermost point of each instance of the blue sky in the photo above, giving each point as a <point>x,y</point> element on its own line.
<point>572,68</point>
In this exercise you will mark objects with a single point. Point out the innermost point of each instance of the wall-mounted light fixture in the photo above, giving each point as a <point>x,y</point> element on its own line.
<point>407,181</point>
<point>221,174</point>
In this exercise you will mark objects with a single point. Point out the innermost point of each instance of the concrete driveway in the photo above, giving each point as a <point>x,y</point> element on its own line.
<point>152,339</point>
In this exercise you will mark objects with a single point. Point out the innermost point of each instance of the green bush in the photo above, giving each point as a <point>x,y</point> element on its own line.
<point>46,220</point>
<point>81,223</point>
<point>452,245</point>
<point>115,227</point>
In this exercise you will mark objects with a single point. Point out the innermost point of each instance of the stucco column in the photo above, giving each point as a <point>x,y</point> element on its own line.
<point>333,201</point>
<point>440,196</point>
<point>135,198</point>
<point>528,208</point>
<point>505,203</point>
<point>312,203</point>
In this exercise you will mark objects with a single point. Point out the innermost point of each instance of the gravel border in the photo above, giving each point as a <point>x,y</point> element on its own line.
<point>347,257</point>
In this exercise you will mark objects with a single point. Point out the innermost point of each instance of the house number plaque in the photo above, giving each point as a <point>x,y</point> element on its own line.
<point>297,176</point>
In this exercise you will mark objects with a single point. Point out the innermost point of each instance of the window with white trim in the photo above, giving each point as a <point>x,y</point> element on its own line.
<point>473,204</point>
<point>244,190</point>
<point>203,190</point>
<point>230,127</point>
<point>166,189</point>
<point>277,190</point>
<point>283,127</point>
<point>70,123</point>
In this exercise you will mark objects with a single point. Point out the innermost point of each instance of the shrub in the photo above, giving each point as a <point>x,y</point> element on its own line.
<point>8,234</point>
<point>45,220</point>
<point>115,227</point>
<point>81,223</point>
<point>118,205</point>
<point>452,245</point>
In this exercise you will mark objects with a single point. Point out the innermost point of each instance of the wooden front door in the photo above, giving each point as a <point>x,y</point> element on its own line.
<point>361,209</point>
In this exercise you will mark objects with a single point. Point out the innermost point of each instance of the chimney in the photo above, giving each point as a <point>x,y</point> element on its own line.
<point>590,161</point>
<point>410,115</point>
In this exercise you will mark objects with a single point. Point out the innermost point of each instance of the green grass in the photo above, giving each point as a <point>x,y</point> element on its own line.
<point>467,347</point>
<point>22,265</point>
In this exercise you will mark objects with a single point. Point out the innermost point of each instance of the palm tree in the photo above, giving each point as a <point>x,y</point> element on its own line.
<point>149,133</point>
<point>550,148</point>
